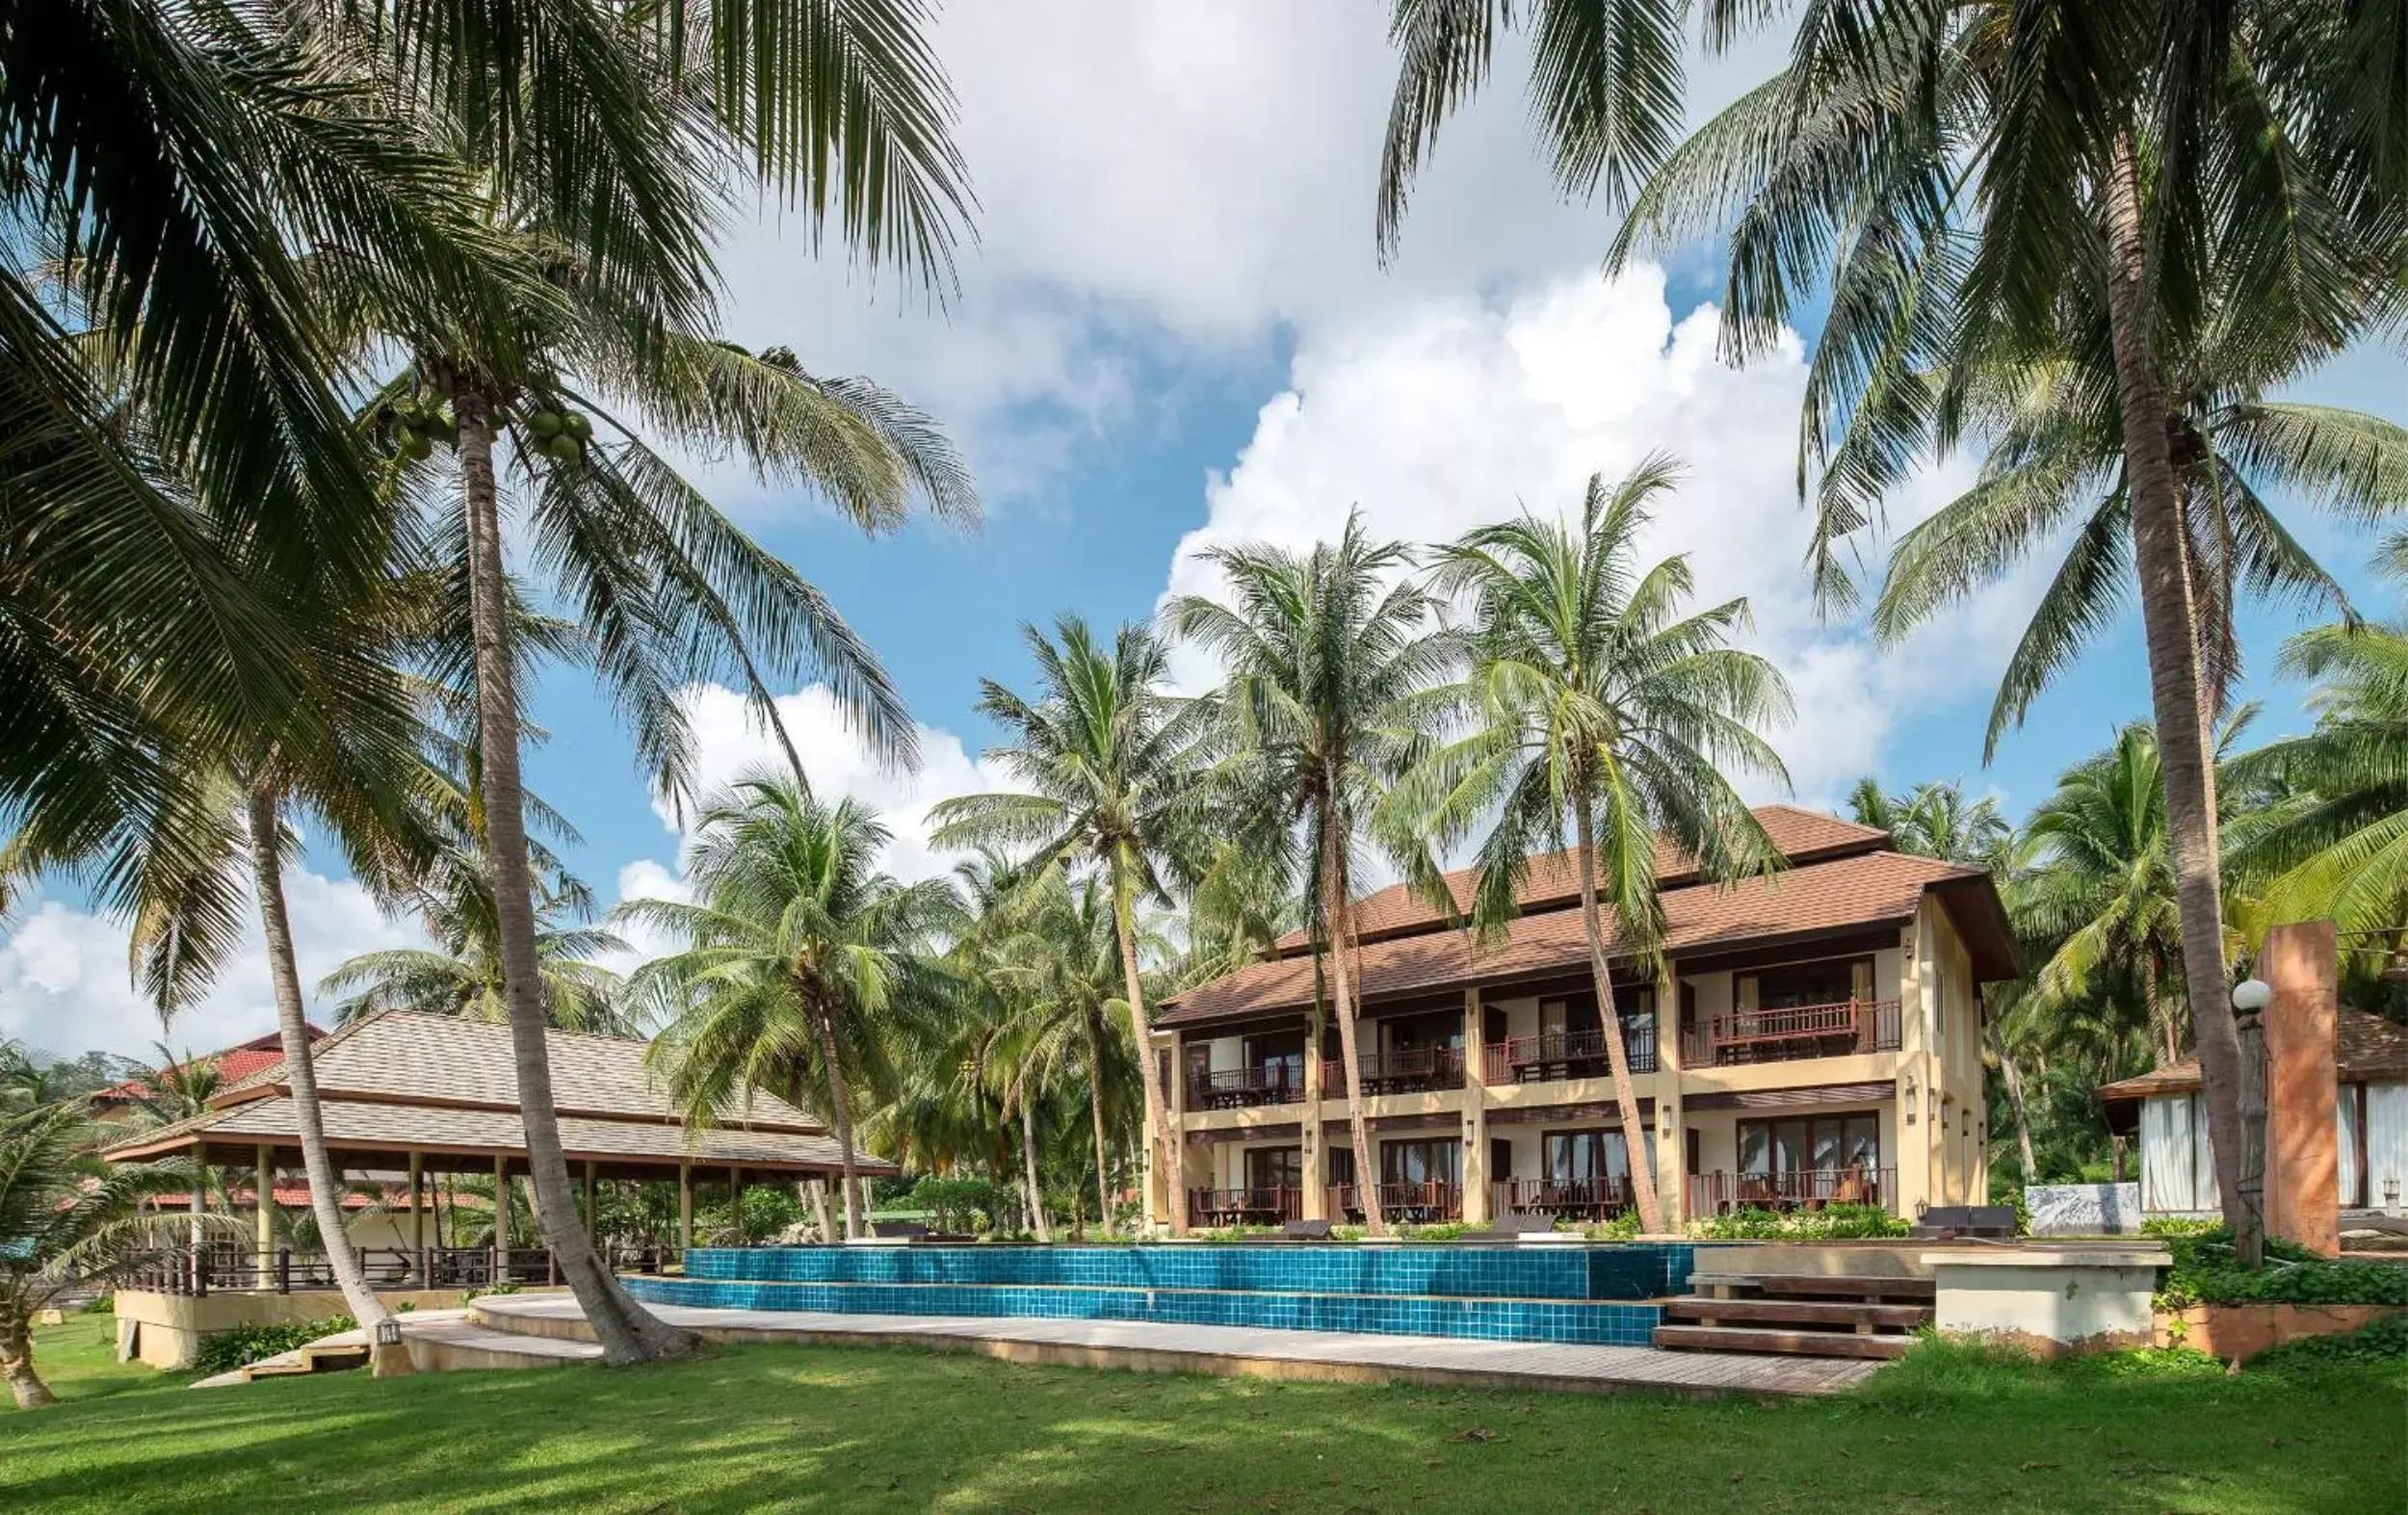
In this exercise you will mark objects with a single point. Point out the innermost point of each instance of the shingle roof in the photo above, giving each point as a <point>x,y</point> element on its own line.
<point>396,1082</point>
<point>1804,836</point>
<point>1871,889</point>
<point>407,1058</point>
<point>2366,1049</point>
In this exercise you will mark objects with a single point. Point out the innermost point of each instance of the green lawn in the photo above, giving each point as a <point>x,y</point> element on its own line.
<point>872,1430</point>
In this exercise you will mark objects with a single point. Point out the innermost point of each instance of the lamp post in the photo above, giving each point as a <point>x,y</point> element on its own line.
<point>2250,998</point>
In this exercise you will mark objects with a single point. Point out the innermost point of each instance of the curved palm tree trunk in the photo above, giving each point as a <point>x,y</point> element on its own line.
<point>1625,1092</point>
<point>2168,620</point>
<point>626,1330</point>
<point>1027,1164</point>
<point>2164,1025</point>
<point>2014,1077</point>
<point>1340,917</point>
<point>300,1074</point>
<point>1157,1110</point>
<point>1095,1114</point>
<point>16,1365</point>
<point>840,1101</point>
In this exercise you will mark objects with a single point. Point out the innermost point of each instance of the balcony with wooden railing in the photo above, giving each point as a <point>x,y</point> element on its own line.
<point>1251,1206</point>
<point>1791,1031</point>
<point>1564,1198</point>
<point>1244,1089</point>
<point>1568,1055</point>
<point>1409,1071</point>
<point>1417,1203</point>
<point>1798,1188</point>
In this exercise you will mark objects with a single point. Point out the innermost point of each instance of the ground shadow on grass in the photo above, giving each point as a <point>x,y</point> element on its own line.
<point>852,1429</point>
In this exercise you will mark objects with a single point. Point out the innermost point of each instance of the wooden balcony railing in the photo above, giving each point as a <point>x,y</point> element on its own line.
<point>1568,1055</point>
<point>1798,1189</point>
<point>1224,1207</point>
<point>1417,1202</point>
<point>1576,1198</point>
<point>1406,1072</point>
<point>1243,1088</point>
<point>1791,1032</point>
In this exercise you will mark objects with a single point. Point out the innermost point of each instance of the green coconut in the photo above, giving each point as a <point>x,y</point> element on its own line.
<point>415,447</point>
<point>565,449</point>
<point>577,424</point>
<point>545,423</point>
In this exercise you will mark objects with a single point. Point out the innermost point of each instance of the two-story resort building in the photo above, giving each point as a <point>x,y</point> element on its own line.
<point>1817,1040</point>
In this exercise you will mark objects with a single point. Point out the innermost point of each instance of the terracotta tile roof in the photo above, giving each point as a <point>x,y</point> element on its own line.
<point>1804,836</point>
<point>2366,1049</point>
<point>233,1064</point>
<point>1871,889</point>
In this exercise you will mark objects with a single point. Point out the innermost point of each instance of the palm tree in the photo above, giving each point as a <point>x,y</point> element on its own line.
<point>1935,819</point>
<point>67,1222</point>
<point>2341,851</point>
<point>1966,176</point>
<point>1111,761</point>
<point>2103,888</point>
<point>1591,701</point>
<point>1329,658</point>
<point>462,976</point>
<point>799,951</point>
<point>170,1089</point>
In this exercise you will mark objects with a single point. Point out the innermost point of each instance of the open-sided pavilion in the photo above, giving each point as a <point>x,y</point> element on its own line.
<point>405,1096</point>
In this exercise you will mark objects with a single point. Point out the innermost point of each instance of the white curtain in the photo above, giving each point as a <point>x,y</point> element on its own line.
<point>2165,1153</point>
<point>2345,1142</point>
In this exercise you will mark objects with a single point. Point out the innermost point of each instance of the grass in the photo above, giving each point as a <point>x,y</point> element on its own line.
<point>868,1429</point>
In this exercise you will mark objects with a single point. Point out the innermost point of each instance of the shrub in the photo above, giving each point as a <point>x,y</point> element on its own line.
<point>1831,1223</point>
<point>1623,1227</point>
<point>2206,1272</point>
<point>223,1351</point>
<point>2174,1226</point>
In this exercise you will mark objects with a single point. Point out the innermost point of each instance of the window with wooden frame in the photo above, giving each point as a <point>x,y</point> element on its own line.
<point>1420,1160</point>
<point>1810,1143</point>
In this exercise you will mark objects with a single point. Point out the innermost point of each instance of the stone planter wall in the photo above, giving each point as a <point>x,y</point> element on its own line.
<point>2243,1331</point>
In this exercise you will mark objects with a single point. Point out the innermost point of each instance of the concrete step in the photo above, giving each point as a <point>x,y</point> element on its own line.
<point>1843,1314</point>
<point>1841,1286</point>
<point>1794,1343</point>
<point>468,1342</point>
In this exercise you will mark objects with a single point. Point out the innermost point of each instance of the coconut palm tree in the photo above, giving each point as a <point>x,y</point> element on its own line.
<point>2341,851</point>
<point>1935,819</point>
<point>1111,763</point>
<point>799,951</point>
<point>69,1221</point>
<point>1329,657</point>
<point>1963,174</point>
<point>1593,704</point>
<point>462,976</point>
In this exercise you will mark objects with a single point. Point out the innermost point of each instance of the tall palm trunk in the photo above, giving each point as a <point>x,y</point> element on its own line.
<point>1157,1109</point>
<point>2164,1025</point>
<point>1338,914</point>
<point>627,1332</point>
<point>2168,618</point>
<point>1028,1163</point>
<point>1095,1114</point>
<point>1625,1092</point>
<point>300,1074</point>
<point>16,1365</point>
<point>839,1103</point>
<point>2014,1078</point>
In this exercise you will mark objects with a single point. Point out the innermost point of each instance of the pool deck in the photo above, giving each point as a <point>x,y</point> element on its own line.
<point>1235,1350</point>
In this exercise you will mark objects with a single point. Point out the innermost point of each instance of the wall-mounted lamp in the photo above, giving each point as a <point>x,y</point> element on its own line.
<point>388,1332</point>
<point>2252,995</point>
<point>1910,1102</point>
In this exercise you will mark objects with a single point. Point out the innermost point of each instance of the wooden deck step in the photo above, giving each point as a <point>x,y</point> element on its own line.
<point>1795,1343</point>
<point>1841,1313</point>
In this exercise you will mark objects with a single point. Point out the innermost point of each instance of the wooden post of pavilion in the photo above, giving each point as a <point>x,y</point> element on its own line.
<point>685,1210</point>
<point>501,1218</point>
<point>263,1212</point>
<point>593,1221</point>
<point>418,1218</point>
<point>735,1202</point>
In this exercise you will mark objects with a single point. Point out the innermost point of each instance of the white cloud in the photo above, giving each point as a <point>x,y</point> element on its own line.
<point>64,987</point>
<point>732,742</point>
<point>1460,413</point>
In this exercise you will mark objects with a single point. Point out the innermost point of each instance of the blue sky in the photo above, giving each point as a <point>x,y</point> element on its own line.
<point>1173,332</point>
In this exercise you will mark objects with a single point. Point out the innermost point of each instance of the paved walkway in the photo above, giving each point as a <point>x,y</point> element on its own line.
<point>1240,1349</point>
